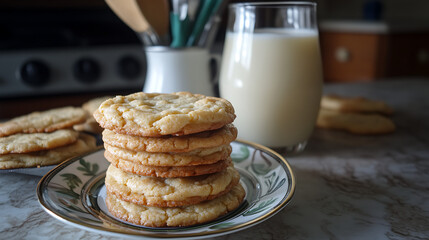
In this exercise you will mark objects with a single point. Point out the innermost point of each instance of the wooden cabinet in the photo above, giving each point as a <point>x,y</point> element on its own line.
<point>349,57</point>
<point>359,56</point>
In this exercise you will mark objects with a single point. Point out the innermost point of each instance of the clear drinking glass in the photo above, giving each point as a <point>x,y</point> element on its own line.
<point>272,72</point>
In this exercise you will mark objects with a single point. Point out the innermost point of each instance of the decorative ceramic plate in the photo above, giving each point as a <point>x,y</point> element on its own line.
<point>37,171</point>
<point>74,193</point>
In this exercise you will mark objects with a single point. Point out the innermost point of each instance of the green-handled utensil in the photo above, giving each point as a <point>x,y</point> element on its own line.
<point>180,23</point>
<point>202,17</point>
<point>207,37</point>
<point>179,30</point>
<point>157,13</point>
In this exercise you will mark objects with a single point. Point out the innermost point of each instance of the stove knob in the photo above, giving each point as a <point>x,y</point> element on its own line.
<point>86,70</point>
<point>34,73</point>
<point>129,67</point>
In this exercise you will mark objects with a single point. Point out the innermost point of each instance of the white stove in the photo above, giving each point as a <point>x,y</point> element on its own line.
<point>41,72</point>
<point>66,50</point>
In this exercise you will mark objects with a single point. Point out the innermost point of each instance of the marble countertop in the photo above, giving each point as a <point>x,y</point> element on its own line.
<point>348,186</point>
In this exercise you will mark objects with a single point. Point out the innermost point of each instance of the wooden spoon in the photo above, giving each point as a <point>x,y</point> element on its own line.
<point>130,13</point>
<point>157,14</point>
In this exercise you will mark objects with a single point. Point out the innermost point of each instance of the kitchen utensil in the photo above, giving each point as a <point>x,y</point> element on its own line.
<point>157,14</point>
<point>129,12</point>
<point>211,27</point>
<point>193,6</point>
<point>202,17</point>
<point>180,23</point>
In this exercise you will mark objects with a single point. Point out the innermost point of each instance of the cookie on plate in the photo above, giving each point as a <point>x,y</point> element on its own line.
<point>195,157</point>
<point>176,216</point>
<point>90,125</point>
<point>354,104</point>
<point>364,124</point>
<point>31,142</point>
<point>169,192</point>
<point>168,171</point>
<point>92,105</point>
<point>46,121</point>
<point>157,114</point>
<point>85,143</point>
<point>185,143</point>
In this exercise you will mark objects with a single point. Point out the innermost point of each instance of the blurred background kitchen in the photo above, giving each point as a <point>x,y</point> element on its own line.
<point>63,52</point>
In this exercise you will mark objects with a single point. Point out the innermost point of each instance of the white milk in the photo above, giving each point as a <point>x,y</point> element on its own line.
<point>274,81</point>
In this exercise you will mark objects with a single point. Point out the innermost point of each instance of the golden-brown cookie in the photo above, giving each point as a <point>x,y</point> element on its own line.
<point>90,125</point>
<point>176,216</point>
<point>195,157</point>
<point>157,114</point>
<point>92,105</point>
<point>186,143</point>
<point>85,143</point>
<point>169,172</point>
<point>364,124</point>
<point>354,104</point>
<point>47,121</point>
<point>169,192</point>
<point>31,142</point>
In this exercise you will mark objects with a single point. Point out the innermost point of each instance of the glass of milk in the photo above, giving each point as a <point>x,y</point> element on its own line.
<point>272,72</point>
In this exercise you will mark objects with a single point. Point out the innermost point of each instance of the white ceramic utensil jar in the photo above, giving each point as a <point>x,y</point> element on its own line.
<point>182,69</point>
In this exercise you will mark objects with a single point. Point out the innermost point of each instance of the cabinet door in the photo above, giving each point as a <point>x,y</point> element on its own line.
<point>349,57</point>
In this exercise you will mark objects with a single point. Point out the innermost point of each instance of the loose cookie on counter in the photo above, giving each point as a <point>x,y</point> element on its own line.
<point>363,124</point>
<point>157,114</point>
<point>354,104</point>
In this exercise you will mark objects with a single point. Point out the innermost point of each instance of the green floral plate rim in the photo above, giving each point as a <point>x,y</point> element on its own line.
<point>74,193</point>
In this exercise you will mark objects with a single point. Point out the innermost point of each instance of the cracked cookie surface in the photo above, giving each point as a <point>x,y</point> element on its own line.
<point>169,192</point>
<point>85,143</point>
<point>46,121</point>
<point>23,143</point>
<point>157,114</point>
<point>176,216</point>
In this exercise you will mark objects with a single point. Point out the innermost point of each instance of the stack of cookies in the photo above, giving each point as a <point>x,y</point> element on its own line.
<point>170,158</point>
<point>43,138</point>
